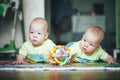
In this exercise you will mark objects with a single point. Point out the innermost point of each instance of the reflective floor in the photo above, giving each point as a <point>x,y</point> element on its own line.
<point>59,75</point>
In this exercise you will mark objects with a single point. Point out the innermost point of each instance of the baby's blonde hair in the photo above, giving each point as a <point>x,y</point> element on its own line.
<point>97,31</point>
<point>42,21</point>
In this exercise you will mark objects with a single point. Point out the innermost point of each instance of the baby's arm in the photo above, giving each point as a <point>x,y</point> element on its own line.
<point>20,59</point>
<point>110,60</point>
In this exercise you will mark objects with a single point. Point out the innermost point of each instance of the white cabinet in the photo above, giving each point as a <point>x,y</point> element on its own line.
<point>81,23</point>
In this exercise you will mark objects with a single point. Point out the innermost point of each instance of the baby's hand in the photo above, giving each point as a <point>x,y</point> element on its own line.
<point>19,62</point>
<point>110,60</point>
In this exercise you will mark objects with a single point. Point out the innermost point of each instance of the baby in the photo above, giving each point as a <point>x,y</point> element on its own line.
<point>37,48</point>
<point>89,49</point>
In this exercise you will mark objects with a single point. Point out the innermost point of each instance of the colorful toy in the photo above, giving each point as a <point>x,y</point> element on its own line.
<point>60,55</point>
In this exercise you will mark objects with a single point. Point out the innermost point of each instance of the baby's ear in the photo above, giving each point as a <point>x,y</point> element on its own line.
<point>98,47</point>
<point>46,35</point>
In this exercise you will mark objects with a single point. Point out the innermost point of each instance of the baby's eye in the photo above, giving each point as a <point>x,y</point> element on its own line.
<point>39,33</point>
<point>92,45</point>
<point>84,40</point>
<point>31,32</point>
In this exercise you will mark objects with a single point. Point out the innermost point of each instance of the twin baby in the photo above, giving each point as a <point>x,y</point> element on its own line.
<point>87,49</point>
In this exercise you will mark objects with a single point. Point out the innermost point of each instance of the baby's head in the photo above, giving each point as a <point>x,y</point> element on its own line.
<point>96,33</point>
<point>92,39</point>
<point>39,23</point>
<point>38,31</point>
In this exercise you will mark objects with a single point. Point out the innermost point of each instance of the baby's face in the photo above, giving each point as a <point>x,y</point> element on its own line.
<point>89,43</point>
<point>37,33</point>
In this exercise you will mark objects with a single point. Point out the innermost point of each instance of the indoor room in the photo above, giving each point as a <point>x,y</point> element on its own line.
<point>67,22</point>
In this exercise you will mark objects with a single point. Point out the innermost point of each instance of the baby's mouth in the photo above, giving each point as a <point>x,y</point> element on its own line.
<point>34,40</point>
<point>84,49</point>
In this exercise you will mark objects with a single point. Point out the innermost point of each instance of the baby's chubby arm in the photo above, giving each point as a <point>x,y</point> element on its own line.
<point>110,60</point>
<point>20,59</point>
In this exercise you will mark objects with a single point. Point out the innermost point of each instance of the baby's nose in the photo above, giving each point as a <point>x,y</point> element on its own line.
<point>35,35</point>
<point>86,44</point>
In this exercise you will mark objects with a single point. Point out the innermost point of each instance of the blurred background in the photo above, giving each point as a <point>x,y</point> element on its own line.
<point>67,19</point>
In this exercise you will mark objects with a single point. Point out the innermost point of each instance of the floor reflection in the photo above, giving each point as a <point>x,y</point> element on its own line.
<point>59,75</point>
